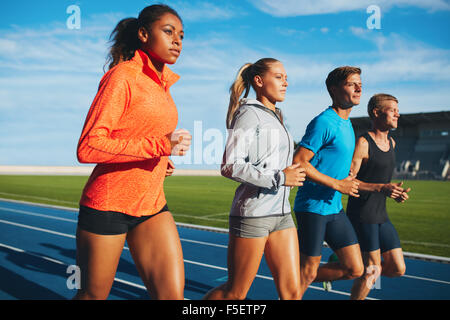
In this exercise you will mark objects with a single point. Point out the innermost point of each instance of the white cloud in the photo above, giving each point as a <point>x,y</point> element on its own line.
<point>403,59</point>
<point>8,47</point>
<point>202,10</point>
<point>57,48</point>
<point>301,106</point>
<point>50,76</point>
<point>289,8</point>
<point>300,34</point>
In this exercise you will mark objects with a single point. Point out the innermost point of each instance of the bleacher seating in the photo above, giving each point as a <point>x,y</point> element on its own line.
<point>422,144</point>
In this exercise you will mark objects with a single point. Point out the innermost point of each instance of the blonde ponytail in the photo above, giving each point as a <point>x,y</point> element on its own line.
<point>237,88</point>
<point>244,80</point>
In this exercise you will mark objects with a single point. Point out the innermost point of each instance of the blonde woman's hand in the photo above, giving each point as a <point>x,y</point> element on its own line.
<point>295,175</point>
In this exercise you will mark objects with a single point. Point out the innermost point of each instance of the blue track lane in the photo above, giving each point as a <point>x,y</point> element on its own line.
<point>37,244</point>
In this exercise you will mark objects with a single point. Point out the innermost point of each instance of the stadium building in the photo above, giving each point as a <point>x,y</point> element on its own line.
<point>423,144</point>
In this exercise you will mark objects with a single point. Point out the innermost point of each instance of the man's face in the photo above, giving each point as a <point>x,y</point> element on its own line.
<point>348,93</point>
<point>388,114</point>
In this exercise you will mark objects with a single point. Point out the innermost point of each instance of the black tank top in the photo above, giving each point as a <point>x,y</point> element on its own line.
<point>370,207</point>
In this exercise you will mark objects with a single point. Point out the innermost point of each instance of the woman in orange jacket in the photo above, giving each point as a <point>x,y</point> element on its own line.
<point>130,133</point>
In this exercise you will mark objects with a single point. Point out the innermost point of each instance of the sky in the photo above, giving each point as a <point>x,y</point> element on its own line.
<point>51,63</point>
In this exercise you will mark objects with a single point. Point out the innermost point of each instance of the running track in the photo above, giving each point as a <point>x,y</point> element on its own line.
<point>37,244</point>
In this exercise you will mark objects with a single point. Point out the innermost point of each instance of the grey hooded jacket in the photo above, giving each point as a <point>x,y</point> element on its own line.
<point>258,148</point>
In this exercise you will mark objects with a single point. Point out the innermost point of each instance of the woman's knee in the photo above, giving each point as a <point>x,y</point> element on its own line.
<point>167,295</point>
<point>226,291</point>
<point>91,295</point>
<point>292,293</point>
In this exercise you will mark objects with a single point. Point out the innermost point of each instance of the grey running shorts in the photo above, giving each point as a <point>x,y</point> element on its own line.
<point>245,227</point>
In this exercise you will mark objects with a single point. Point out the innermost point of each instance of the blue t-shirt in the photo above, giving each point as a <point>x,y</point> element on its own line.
<point>332,140</point>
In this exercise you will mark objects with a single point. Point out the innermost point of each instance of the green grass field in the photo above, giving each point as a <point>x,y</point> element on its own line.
<point>423,222</point>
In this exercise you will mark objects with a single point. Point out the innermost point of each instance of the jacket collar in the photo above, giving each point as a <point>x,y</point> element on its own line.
<point>258,104</point>
<point>168,77</point>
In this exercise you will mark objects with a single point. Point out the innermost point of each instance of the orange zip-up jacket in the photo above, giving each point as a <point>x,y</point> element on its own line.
<point>125,134</point>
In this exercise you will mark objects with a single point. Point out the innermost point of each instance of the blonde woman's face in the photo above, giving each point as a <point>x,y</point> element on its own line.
<point>273,84</point>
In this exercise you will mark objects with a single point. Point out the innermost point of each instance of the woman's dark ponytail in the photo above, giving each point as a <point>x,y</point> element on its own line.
<point>125,42</point>
<point>124,37</point>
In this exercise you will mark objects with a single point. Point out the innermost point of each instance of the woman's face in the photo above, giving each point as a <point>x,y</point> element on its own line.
<point>273,84</point>
<point>164,42</point>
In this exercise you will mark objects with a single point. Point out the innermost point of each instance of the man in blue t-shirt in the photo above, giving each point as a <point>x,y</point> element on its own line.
<point>326,152</point>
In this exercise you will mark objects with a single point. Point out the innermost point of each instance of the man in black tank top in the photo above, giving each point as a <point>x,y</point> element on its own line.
<point>373,164</point>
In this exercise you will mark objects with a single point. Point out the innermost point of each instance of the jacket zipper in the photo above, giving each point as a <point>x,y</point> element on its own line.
<point>289,146</point>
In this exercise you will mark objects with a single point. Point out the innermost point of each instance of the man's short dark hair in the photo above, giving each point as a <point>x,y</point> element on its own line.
<point>338,75</point>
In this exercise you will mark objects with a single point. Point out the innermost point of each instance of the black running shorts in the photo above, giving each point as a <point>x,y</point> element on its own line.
<point>109,222</point>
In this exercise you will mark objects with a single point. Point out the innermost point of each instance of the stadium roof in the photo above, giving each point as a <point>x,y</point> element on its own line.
<point>408,119</point>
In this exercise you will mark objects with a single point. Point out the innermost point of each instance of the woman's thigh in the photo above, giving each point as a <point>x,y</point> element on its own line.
<point>283,257</point>
<point>97,258</point>
<point>156,250</point>
<point>244,258</point>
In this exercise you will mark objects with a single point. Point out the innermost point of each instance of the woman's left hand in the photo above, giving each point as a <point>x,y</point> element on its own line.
<point>170,168</point>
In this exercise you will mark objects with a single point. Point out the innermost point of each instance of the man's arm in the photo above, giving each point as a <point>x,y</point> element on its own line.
<point>346,186</point>
<point>360,155</point>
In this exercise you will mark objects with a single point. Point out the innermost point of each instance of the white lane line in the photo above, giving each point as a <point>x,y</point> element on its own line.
<point>196,217</point>
<point>217,214</point>
<point>40,205</point>
<point>205,243</point>
<point>38,198</point>
<point>31,254</point>
<point>182,239</point>
<point>75,221</point>
<point>66,264</point>
<point>37,214</point>
<point>38,229</point>
<point>426,279</point>
<point>182,215</point>
<point>71,220</point>
<point>270,278</point>
<point>410,255</point>
<point>185,260</point>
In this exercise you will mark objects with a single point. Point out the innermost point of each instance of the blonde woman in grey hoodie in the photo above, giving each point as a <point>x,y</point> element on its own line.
<point>258,155</point>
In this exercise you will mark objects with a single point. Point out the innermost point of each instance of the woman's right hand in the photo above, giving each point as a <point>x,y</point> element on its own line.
<point>180,141</point>
<point>295,175</point>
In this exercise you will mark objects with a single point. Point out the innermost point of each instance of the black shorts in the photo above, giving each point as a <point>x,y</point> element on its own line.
<point>314,228</point>
<point>109,222</point>
<point>373,236</point>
